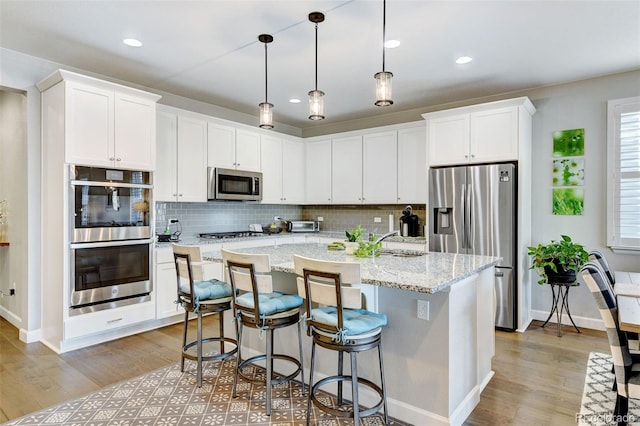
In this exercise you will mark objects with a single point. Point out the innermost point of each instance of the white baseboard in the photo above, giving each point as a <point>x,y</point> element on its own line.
<point>584,322</point>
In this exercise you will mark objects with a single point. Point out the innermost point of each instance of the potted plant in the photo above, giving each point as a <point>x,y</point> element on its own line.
<point>558,261</point>
<point>353,239</point>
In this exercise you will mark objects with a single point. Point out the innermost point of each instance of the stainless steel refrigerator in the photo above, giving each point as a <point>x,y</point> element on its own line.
<point>473,211</point>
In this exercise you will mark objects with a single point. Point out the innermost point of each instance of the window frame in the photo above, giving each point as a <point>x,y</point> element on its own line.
<point>615,108</point>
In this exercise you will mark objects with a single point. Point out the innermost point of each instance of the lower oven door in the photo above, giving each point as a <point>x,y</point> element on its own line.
<point>109,274</point>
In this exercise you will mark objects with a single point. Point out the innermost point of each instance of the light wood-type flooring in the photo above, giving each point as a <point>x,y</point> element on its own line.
<point>538,376</point>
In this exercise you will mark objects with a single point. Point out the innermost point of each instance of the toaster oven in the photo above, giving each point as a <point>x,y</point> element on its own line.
<point>303,226</point>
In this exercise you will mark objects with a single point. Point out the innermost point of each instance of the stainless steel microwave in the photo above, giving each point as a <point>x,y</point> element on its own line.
<point>236,185</point>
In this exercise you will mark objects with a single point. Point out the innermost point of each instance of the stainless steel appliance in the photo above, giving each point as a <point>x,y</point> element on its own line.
<point>473,211</point>
<point>110,250</point>
<point>303,226</point>
<point>235,185</point>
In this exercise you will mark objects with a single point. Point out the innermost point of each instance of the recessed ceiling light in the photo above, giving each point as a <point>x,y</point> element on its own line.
<point>391,44</point>
<point>132,42</point>
<point>295,100</point>
<point>463,60</point>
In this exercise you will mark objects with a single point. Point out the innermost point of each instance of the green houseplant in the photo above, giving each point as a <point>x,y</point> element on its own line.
<point>355,235</point>
<point>558,261</point>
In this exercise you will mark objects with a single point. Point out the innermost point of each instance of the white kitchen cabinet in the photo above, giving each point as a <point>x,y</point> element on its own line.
<point>233,148</point>
<point>346,170</point>
<point>317,163</point>
<point>477,134</point>
<point>380,168</point>
<point>105,124</point>
<point>412,166</point>
<point>182,157</point>
<point>282,170</point>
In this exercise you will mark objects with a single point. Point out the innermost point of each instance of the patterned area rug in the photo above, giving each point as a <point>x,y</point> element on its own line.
<point>167,397</point>
<point>598,400</point>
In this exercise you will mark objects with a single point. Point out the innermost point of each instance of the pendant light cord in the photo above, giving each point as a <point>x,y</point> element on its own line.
<point>266,85</point>
<point>384,26</point>
<point>316,56</point>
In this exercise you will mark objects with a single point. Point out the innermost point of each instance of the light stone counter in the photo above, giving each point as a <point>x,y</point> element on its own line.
<point>426,273</point>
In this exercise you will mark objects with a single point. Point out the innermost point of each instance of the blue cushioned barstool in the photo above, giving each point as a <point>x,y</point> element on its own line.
<point>338,323</point>
<point>200,296</point>
<point>257,306</point>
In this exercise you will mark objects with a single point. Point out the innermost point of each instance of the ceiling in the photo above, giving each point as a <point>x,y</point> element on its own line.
<point>209,50</point>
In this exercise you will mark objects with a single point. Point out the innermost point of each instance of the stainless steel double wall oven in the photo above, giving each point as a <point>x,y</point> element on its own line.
<point>111,238</point>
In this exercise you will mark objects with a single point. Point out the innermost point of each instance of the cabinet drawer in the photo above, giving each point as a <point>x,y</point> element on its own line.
<point>96,322</point>
<point>164,255</point>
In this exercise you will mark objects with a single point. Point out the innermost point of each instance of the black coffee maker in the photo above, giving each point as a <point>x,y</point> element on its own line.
<point>409,223</point>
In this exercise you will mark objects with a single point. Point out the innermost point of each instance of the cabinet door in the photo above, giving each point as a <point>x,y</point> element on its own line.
<point>380,168</point>
<point>346,170</point>
<point>192,159</point>
<point>448,140</point>
<point>247,150</point>
<point>135,133</point>
<point>412,166</point>
<point>89,126</point>
<point>271,157</point>
<point>221,142</point>
<point>166,291</point>
<point>165,178</point>
<point>317,163</point>
<point>292,172</point>
<point>494,135</point>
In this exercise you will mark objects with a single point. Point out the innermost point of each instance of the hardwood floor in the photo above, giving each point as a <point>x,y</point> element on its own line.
<point>538,376</point>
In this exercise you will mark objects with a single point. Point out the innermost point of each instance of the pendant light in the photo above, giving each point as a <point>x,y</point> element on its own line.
<point>266,109</point>
<point>316,97</point>
<point>383,78</point>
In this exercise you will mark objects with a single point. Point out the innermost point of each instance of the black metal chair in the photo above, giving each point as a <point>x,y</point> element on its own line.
<point>256,305</point>
<point>200,297</point>
<point>336,322</point>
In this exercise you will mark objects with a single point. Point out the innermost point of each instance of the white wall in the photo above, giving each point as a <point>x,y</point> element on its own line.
<point>576,105</point>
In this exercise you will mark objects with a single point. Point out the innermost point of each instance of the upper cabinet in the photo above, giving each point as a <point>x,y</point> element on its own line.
<point>233,148</point>
<point>477,134</point>
<point>380,168</point>
<point>282,170</point>
<point>105,124</point>
<point>412,166</point>
<point>317,167</point>
<point>346,170</point>
<point>182,157</point>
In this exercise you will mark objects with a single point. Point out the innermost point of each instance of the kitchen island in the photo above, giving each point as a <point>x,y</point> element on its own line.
<point>436,366</point>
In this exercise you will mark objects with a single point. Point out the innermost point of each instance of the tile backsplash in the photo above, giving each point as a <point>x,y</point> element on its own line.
<point>221,216</point>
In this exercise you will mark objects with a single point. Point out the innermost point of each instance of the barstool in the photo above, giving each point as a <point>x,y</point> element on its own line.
<point>200,297</point>
<point>257,306</point>
<point>339,324</point>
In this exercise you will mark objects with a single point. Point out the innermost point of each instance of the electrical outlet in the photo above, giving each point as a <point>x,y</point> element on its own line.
<point>320,219</point>
<point>423,310</point>
<point>377,219</point>
<point>12,291</point>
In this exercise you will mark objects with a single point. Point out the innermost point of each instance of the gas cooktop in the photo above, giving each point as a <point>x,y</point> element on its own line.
<point>230,234</point>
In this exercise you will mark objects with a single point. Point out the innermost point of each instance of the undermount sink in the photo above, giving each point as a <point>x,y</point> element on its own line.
<point>402,253</point>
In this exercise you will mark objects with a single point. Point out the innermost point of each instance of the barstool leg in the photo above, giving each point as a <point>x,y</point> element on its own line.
<point>234,394</point>
<point>340,370</point>
<point>221,331</point>
<point>199,349</point>
<point>301,361</point>
<point>354,388</point>
<point>269,368</point>
<point>313,360</point>
<point>384,389</point>
<point>184,338</point>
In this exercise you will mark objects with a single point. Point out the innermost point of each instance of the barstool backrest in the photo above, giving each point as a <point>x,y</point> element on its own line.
<point>197,264</point>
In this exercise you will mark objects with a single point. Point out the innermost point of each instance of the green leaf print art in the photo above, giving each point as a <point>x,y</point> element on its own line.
<point>568,143</point>
<point>568,201</point>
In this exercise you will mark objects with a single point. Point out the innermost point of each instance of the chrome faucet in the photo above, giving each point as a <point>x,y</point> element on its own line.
<point>387,235</point>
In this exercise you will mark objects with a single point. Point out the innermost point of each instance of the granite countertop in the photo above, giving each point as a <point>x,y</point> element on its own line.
<point>426,273</point>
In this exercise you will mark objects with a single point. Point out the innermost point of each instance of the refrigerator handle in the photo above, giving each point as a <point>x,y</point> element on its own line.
<point>467,216</point>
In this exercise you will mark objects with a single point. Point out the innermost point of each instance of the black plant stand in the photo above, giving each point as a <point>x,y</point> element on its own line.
<point>560,295</point>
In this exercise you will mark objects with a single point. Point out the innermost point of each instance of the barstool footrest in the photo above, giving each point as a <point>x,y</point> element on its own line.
<point>284,379</point>
<point>216,357</point>
<point>342,413</point>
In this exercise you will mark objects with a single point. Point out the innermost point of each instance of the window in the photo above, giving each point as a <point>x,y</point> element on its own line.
<point>623,174</point>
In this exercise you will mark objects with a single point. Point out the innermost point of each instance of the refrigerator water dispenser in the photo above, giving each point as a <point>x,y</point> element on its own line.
<point>442,220</point>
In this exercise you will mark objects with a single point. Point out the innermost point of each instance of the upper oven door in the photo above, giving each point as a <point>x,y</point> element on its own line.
<point>239,185</point>
<point>109,205</point>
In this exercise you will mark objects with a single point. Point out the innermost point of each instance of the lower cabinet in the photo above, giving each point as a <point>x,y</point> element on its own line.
<point>110,319</point>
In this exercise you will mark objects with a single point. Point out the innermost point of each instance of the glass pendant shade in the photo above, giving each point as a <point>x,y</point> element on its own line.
<point>316,105</point>
<point>384,92</point>
<point>266,115</point>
